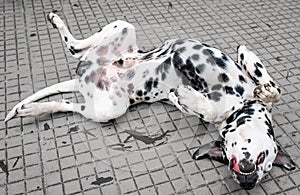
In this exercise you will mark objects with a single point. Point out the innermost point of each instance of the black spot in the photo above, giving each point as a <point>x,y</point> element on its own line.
<point>238,66</point>
<point>163,76</point>
<point>228,126</point>
<point>259,65</point>
<point>249,140</point>
<point>239,89</point>
<point>177,59</point>
<point>206,45</point>
<point>148,84</point>
<point>267,152</point>
<point>120,62</point>
<point>124,31</point>
<point>179,42</point>
<point>66,39</point>
<point>163,67</point>
<point>195,57</point>
<point>155,83</point>
<point>216,87</point>
<point>82,108</point>
<point>139,92</point>
<point>147,56</point>
<point>103,84</point>
<point>200,68</point>
<point>208,52</point>
<point>215,96</point>
<point>279,91</point>
<point>197,47</point>
<point>87,79</point>
<point>150,53</point>
<point>244,148</point>
<point>164,52</point>
<point>257,72</point>
<point>224,132</point>
<point>224,57</point>
<point>223,77</point>
<point>129,74</point>
<point>229,90</point>
<point>272,83</point>
<point>74,51</point>
<point>130,88</point>
<point>255,80</point>
<point>189,65</point>
<point>247,155</point>
<point>242,79</point>
<point>246,109</point>
<point>181,49</point>
<point>269,125</point>
<point>145,73</point>
<point>147,98</point>
<point>220,62</point>
<point>242,120</point>
<point>242,56</point>
<point>82,67</point>
<point>172,90</point>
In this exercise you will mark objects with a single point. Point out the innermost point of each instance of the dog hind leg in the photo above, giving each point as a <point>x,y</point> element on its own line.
<point>266,90</point>
<point>63,87</point>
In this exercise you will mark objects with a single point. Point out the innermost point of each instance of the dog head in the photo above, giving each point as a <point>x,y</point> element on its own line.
<point>248,146</point>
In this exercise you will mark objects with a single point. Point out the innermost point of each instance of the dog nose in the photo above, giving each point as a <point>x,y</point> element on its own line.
<point>246,167</point>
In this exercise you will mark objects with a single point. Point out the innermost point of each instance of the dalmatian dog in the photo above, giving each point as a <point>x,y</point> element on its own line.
<point>197,78</point>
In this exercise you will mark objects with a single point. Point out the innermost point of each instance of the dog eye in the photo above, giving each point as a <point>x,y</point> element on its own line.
<point>260,158</point>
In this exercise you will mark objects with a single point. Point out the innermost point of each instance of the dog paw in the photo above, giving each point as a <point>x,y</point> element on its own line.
<point>13,112</point>
<point>31,109</point>
<point>267,93</point>
<point>55,20</point>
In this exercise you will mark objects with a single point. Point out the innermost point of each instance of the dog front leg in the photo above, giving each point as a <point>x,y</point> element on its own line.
<point>189,101</point>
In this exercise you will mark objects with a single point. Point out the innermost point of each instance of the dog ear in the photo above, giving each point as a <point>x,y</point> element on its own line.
<point>284,160</point>
<point>212,150</point>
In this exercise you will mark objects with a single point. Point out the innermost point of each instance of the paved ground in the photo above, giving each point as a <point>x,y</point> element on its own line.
<point>65,154</point>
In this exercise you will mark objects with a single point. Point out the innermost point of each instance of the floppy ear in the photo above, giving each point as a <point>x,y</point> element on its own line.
<point>212,150</point>
<point>284,160</point>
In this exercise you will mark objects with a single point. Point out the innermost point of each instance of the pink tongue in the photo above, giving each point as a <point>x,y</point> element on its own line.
<point>236,167</point>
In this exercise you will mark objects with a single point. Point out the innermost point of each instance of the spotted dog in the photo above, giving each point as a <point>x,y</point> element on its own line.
<point>197,78</point>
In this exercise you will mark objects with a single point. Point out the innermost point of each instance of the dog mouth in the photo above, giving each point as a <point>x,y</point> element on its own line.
<point>246,181</point>
<point>244,173</point>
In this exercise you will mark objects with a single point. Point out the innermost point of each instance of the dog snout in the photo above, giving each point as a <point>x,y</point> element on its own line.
<point>246,181</point>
